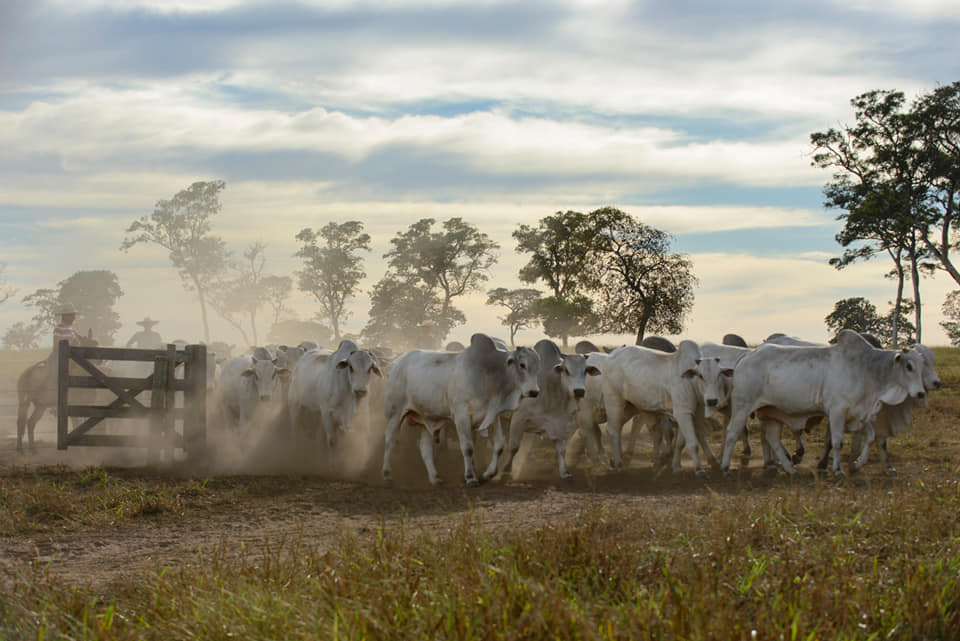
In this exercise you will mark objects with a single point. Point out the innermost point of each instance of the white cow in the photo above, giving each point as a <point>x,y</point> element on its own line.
<point>649,383</point>
<point>892,420</point>
<point>329,387</point>
<point>590,412</point>
<point>845,382</point>
<point>469,390</point>
<point>553,413</point>
<point>247,382</point>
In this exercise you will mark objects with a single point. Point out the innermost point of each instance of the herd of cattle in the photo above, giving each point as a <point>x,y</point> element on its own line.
<point>489,390</point>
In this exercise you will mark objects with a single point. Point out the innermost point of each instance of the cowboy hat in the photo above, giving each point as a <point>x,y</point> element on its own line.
<point>66,308</point>
<point>147,322</point>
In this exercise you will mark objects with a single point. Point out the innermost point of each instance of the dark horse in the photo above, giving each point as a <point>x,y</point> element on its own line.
<point>34,388</point>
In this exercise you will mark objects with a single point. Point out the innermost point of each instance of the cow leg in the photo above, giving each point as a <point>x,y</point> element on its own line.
<point>615,414</point>
<point>837,425</point>
<point>494,465</point>
<point>426,453</point>
<point>329,428</point>
<point>886,459</point>
<point>861,460</point>
<point>827,447</point>
<point>703,438</point>
<point>38,411</point>
<point>591,436</point>
<point>738,423</point>
<point>745,452</point>
<point>800,451</point>
<point>561,446</point>
<point>513,446</point>
<point>769,456</point>
<point>772,436</point>
<point>688,431</point>
<point>465,436</point>
<point>389,440</point>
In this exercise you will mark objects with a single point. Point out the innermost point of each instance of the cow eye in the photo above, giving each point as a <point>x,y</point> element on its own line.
<point>909,367</point>
<point>522,366</point>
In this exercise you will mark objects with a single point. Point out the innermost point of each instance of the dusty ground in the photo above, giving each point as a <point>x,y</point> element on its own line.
<point>288,497</point>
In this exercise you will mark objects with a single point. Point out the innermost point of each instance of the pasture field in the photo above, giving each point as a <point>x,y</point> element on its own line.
<point>94,550</point>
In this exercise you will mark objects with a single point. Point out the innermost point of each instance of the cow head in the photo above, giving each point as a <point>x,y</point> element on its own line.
<point>573,371</point>
<point>524,364</point>
<point>713,381</point>
<point>358,367</point>
<point>264,373</point>
<point>908,367</point>
<point>930,379</point>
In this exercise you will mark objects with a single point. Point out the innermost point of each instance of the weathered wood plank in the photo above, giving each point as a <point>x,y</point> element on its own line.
<point>110,384</point>
<point>63,371</point>
<point>120,440</point>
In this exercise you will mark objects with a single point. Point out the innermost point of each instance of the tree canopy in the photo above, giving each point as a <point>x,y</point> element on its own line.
<point>332,267</point>
<point>182,226</point>
<point>92,292</point>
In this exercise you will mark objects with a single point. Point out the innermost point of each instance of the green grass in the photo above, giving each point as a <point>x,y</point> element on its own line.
<point>803,564</point>
<point>808,559</point>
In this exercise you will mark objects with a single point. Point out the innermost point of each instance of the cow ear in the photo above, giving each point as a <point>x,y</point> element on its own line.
<point>558,368</point>
<point>342,364</point>
<point>254,359</point>
<point>593,371</point>
<point>727,372</point>
<point>697,361</point>
<point>249,372</point>
<point>896,358</point>
<point>283,372</point>
<point>376,370</point>
<point>690,373</point>
<point>511,360</point>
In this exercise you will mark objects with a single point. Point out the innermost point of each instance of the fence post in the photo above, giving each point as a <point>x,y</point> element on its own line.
<point>158,407</point>
<point>63,372</point>
<point>195,401</point>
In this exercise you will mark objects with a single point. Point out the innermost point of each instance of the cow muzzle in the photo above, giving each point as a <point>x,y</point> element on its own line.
<point>533,393</point>
<point>712,402</point>
<point>360,393</point>
<point>921,394</point>
<point>264,397</point>
<point>579,392</point>
<point>937,384</point>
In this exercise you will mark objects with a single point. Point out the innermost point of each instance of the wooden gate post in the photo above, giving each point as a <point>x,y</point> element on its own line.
<point>158,407</point>
<point>195,401</point>
<point>63,372</point>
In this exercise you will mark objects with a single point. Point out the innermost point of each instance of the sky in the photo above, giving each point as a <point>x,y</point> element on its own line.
<point>693,117</point>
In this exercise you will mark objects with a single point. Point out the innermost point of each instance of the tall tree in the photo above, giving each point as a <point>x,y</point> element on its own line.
<point>245,291</point>
<point>561,247</point>
<point>448,263</point>
<point>402,311</point>
<point>182,226</point>
<point>22,336</point>
<point>936,118</point>
<point>521,307</point>
<point>332,267</point>
<point>643,285</point>
<point>856,313</point>
<point>92,292</point>
<point>879,183</point>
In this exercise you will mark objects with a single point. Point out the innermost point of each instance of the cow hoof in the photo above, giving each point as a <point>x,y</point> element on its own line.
<point>701,474</point>
<point>437,482</point>
<point>473,483</point>
<point>506,475</point>
<point>567,477</point>
<point>891,472</point>
<point>726,472</point>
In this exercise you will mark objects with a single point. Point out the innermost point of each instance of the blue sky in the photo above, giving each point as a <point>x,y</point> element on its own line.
<point>693,116</point>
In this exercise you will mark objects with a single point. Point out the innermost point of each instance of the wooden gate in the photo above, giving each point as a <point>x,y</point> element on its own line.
<point>161,410</point>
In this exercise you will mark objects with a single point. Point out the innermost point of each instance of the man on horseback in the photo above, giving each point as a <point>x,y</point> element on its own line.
<point>64,331</point>
<point>146,338</point>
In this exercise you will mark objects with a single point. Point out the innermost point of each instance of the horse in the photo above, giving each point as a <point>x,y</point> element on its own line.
<point>34,388</point>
